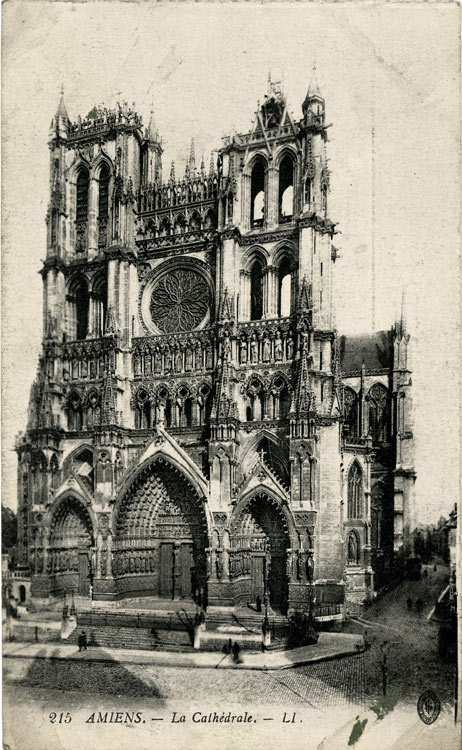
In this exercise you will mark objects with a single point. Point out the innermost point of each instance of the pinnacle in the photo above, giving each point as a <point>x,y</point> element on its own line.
<point>151,132</point>
<point>192,156</point>
<point>61,111</point>
<point>313,88</point>
<point>212,165</point>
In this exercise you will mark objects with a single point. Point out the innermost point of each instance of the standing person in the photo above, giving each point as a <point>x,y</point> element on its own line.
<point>385,649</point>
<point>236,652</point>
<point>82,641</point>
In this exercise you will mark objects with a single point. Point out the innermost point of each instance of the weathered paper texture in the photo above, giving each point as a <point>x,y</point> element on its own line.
<point>390,75</point>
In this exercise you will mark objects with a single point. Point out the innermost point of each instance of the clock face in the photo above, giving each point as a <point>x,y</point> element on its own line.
<point>179,301</point>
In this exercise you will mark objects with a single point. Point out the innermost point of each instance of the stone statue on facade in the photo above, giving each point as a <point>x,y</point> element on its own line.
<point>254,349</point>
<point>243,348</point>
<point>278,348</point>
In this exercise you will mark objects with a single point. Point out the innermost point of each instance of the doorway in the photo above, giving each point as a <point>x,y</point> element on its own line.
<point>262,529</point>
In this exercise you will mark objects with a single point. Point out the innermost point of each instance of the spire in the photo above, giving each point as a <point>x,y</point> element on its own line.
<point>304,298</point>
<point>192,157</point>
<point>60,122</point>
<point>62,111</point>
<point>313,93</point>
<point>202,167</point>
<point>313,88</point>
<point>226,309</point>
<point>303,394</point>
<point>112,328</point>
<point>172,172</point>
<point>402,322</point>
<point>108,410</point>
<point>212,165</point>
<point>151,130</point>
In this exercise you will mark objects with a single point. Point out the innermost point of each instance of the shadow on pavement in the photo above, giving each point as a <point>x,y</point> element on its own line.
<point>110,677</point>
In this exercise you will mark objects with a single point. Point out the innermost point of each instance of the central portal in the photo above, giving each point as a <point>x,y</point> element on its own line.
<point>161,537</point>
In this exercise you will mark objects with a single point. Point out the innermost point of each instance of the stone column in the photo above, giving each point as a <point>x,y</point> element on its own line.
<point>272,285</point>
<point>176,570</point>
<point>271,197</point>
<point>109,555</point>
<point>266,398</point>
<point>92,217</point>
<point>225,564</point>
<point>244,300</point>
<point>312,481</point>
<point>45,554</point>
<point>99,546</point>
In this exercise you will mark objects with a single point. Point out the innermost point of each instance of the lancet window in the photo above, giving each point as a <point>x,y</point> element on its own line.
<point>78,302</point>
<point>257,194</point>
<point>143,410</point>
<point>256,290</point>
<point>284,288</point>
<point>355,489</point>
<point>103,205</point>
<point>350,424</point>
<point>286,189</point>
<point>81,213</point>
<point>378,413</point>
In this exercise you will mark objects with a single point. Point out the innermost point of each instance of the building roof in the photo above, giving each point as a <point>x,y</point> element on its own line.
<point>374,349</point>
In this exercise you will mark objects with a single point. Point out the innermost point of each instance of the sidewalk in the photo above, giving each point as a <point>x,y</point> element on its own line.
<point>329,646</point>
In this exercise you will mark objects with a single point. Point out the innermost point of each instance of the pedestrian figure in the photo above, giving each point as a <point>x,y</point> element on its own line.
<point>409,603</point>
<point>367,642</point>
<point>82,641</point>
<point>258,604</point>
<point>419,605</point>
<point>236,652</point>
<point>385,649</point>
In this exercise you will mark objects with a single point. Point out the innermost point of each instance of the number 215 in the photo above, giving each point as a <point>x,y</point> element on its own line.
<point>62,718</point>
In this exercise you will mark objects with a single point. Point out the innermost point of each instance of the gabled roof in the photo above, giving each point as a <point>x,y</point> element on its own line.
<point>374,349</point>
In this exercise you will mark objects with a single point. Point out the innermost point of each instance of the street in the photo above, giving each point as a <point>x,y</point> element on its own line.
<point>303,700</point>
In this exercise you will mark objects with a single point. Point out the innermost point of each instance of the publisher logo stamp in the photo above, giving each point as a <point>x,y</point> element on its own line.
<point>428,707</point>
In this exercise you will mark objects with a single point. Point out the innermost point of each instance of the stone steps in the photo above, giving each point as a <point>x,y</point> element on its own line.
<point>134,638</point>
<point>173,629</point>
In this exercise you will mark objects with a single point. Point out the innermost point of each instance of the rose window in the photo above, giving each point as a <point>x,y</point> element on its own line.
<point>179,301</point>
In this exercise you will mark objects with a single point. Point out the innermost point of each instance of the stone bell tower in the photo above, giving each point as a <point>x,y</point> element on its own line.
<point>274,271</point>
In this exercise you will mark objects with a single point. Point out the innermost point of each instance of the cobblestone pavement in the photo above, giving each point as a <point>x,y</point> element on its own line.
<point>331,683</point>
<point>413,661</point>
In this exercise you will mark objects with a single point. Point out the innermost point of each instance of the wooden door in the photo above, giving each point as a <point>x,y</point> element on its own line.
<point>186,563</point>
<point>277,584</point>
<point>84,569</point>
<point>257,583</point>
<point>166,571</point>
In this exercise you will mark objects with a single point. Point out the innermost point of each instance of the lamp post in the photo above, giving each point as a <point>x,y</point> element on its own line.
<point>265,585</point>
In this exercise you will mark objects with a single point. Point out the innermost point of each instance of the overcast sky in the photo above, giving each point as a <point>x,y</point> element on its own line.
<point>390,77</point>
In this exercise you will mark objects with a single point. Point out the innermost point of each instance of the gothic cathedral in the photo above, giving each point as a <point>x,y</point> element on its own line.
<point>197,428</point>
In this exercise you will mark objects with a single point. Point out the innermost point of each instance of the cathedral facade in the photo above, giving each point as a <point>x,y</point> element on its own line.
<point>197,428</point>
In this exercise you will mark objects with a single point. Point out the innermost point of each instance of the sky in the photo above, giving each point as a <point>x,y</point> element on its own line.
<point>390,76</point>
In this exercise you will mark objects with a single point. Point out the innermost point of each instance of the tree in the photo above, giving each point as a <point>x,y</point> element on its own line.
<point>9,529</point>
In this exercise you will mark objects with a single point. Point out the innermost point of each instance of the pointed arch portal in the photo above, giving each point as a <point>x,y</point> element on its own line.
<point>161,536</point>
<point>261,534</point>
<point>71,546</point>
